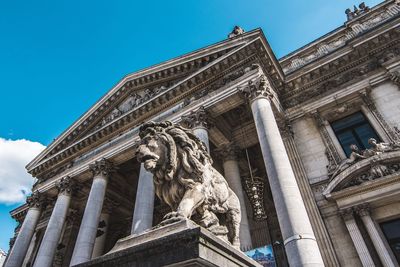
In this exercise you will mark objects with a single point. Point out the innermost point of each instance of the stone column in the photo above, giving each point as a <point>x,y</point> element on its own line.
<point>229,153</point>
<point>199,121</point>
<point>357,238</point>
<point>55,226</point>
<point>21,245</point>
<point>144,203</point>
<point>101,236</point>
<point>87,232</point>
<point>376,238</point>
<point>299,240</point>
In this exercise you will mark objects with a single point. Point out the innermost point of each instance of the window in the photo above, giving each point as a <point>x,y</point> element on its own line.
<point>391,230</point>
<point>353,129</point>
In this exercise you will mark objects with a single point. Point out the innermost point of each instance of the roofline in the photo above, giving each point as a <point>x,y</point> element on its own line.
<point>331,33</point>
<point>145,71</point>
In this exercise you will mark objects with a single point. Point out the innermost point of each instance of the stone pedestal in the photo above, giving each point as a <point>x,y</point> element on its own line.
<point>180,244</point>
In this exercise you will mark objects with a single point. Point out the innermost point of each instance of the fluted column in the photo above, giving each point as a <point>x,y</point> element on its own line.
<point>357,238</point>
<point>300,244</point>
<point>199,121</point>
<point>229,153</point>
<point>55,226</point>
<point>87,232</point>
<point>21,245</point>
<point>144,203</point>
<point>376,237</point>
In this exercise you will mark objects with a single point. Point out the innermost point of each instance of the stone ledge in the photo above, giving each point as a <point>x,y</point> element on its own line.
<point>180,244</point>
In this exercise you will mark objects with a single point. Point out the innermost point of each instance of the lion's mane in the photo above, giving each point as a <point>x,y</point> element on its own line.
<point>187,157</point>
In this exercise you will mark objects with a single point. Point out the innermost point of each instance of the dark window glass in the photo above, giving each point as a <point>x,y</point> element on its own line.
<point>353,129</point>
<point>391,230</point>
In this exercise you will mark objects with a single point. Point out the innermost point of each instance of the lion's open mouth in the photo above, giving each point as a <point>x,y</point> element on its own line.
<point>149,161</point>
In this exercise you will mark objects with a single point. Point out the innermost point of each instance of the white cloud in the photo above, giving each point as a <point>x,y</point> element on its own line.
<point>15,182</point>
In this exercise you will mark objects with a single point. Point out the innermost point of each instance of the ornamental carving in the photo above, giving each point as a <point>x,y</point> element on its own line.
<point>134,100</point>
<point>198,118</point>
<point>228,151</point>
<point>101,167</point>
<point>353,30</point>
<point>65,185</point>
<point>185,180</point>
<point>362,8</point>
<point>36,200</point>
<point>377,170</point>
<point>394,76</point>
<point>258,88</point>
<point>237,30</point>
<point>363,209</point>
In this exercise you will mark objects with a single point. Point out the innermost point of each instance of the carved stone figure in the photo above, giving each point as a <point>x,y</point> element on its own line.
<point>237,30</point>
<point>379,148</point>
<point>185,180</point>
<point>354,156</point>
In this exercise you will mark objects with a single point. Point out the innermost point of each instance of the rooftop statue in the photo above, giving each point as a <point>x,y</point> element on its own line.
<point>185,180</point>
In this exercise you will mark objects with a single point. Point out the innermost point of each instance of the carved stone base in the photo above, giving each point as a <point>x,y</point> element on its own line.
<point>179,244</point>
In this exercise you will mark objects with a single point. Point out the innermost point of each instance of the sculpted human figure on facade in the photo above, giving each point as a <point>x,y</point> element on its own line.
<point>354,156</point>
<point>185,180</point>
<point>379,148</point>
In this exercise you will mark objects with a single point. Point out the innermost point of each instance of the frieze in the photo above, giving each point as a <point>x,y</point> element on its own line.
<point>352,30</point>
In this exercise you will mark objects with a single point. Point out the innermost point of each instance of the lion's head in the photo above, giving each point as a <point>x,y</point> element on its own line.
<point>166,148</point>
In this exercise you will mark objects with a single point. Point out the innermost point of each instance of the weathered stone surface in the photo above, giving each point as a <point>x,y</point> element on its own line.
<point>186,181</point>
<point>183,243</point>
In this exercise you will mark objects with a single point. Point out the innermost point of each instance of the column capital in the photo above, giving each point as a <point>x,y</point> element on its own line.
<point>347,214</point>
<point>66,185</point>
<point>198,118</point>
<point>36,200</point>
<point>258,88</point>
<point>228,151</point>
<point>101,166</point>
<point>363,209</point>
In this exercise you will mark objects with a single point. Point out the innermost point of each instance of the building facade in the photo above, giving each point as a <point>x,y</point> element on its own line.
<point>310,144</point>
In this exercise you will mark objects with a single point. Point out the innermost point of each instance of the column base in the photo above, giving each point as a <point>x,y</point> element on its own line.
<point>180,244</point>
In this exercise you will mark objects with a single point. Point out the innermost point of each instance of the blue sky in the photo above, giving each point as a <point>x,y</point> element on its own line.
<point>58,57</point>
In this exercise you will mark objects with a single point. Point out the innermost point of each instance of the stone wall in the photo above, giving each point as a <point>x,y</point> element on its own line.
<point>311,148</point>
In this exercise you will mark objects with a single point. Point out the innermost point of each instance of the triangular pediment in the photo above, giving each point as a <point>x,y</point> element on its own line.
<point>136,93</point>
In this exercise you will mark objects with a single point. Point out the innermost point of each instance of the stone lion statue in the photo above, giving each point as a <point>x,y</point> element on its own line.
<point>185,180</point>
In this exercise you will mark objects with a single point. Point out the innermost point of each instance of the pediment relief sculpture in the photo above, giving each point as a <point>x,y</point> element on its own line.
<point>185,180</point>
<point>381,160</point>
<point>133,101</point>
<point>357,155</point>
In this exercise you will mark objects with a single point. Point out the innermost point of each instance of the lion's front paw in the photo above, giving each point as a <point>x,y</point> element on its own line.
<point>172,217</point>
